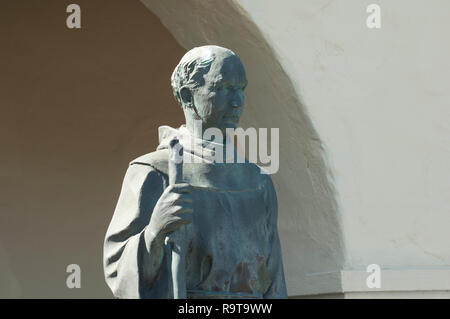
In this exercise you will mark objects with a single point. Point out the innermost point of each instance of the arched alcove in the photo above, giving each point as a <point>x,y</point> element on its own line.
<point>309,224</point>
<point>77,106</point>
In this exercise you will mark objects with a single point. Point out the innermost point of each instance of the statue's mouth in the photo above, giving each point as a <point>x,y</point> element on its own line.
<point>231,118</point>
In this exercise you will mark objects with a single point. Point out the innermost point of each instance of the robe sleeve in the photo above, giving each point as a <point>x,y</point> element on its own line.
<point>132,270</point>
<point>277,288</point>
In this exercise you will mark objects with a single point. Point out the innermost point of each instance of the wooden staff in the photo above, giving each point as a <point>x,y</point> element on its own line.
<point>176,242</point>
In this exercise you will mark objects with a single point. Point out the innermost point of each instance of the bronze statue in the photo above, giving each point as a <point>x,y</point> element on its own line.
<point>197,227</point>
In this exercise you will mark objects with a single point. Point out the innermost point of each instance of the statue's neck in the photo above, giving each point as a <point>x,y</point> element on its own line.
<point>198,131</point>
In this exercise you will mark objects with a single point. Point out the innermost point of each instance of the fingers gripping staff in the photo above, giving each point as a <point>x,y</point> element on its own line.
<point>176,242</point>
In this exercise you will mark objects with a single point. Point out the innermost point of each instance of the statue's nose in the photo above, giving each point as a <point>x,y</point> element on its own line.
<point>237,101</point>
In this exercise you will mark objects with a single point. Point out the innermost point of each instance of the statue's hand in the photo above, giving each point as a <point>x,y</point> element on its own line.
<point>173,210</point>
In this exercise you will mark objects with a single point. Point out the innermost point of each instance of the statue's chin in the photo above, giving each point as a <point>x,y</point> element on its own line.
<point>231,124</point>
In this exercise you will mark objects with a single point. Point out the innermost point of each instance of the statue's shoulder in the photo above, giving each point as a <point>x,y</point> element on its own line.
<point>260,171</point>
<point>157,160</point>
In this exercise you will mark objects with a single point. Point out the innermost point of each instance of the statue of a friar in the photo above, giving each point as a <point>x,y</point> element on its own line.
<point>196,226</point>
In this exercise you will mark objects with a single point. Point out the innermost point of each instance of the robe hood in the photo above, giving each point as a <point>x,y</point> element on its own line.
<point>200,167</point>
<point>197,148</point>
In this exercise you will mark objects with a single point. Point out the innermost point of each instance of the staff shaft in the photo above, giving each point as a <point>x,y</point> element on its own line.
<point>177,240</point>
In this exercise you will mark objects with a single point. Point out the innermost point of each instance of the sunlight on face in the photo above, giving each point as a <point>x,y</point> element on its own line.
<point>220,100</point>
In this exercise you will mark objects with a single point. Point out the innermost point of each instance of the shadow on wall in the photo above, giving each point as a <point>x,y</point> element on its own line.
<point>309,224</point>
<point>77,106</point>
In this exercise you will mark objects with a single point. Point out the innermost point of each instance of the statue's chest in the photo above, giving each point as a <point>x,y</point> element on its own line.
<point>230,210</point>
<point>222,218</point>
<point>228,238</point>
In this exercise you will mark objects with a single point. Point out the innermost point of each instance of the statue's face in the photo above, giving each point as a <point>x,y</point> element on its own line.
<point>220,101</point>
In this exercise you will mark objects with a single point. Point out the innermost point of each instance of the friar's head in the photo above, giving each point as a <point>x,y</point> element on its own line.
<point>209,84</point>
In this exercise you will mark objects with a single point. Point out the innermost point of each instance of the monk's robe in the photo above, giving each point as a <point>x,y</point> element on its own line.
<point>233,248</point>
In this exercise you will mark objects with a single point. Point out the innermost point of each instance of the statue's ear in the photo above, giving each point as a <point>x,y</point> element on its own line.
<point>186,96</point>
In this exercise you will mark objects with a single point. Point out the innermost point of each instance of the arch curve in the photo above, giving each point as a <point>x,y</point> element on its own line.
<point>309,222</point>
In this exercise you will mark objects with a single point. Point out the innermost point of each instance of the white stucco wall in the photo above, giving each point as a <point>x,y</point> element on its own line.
<point>378,100</point>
